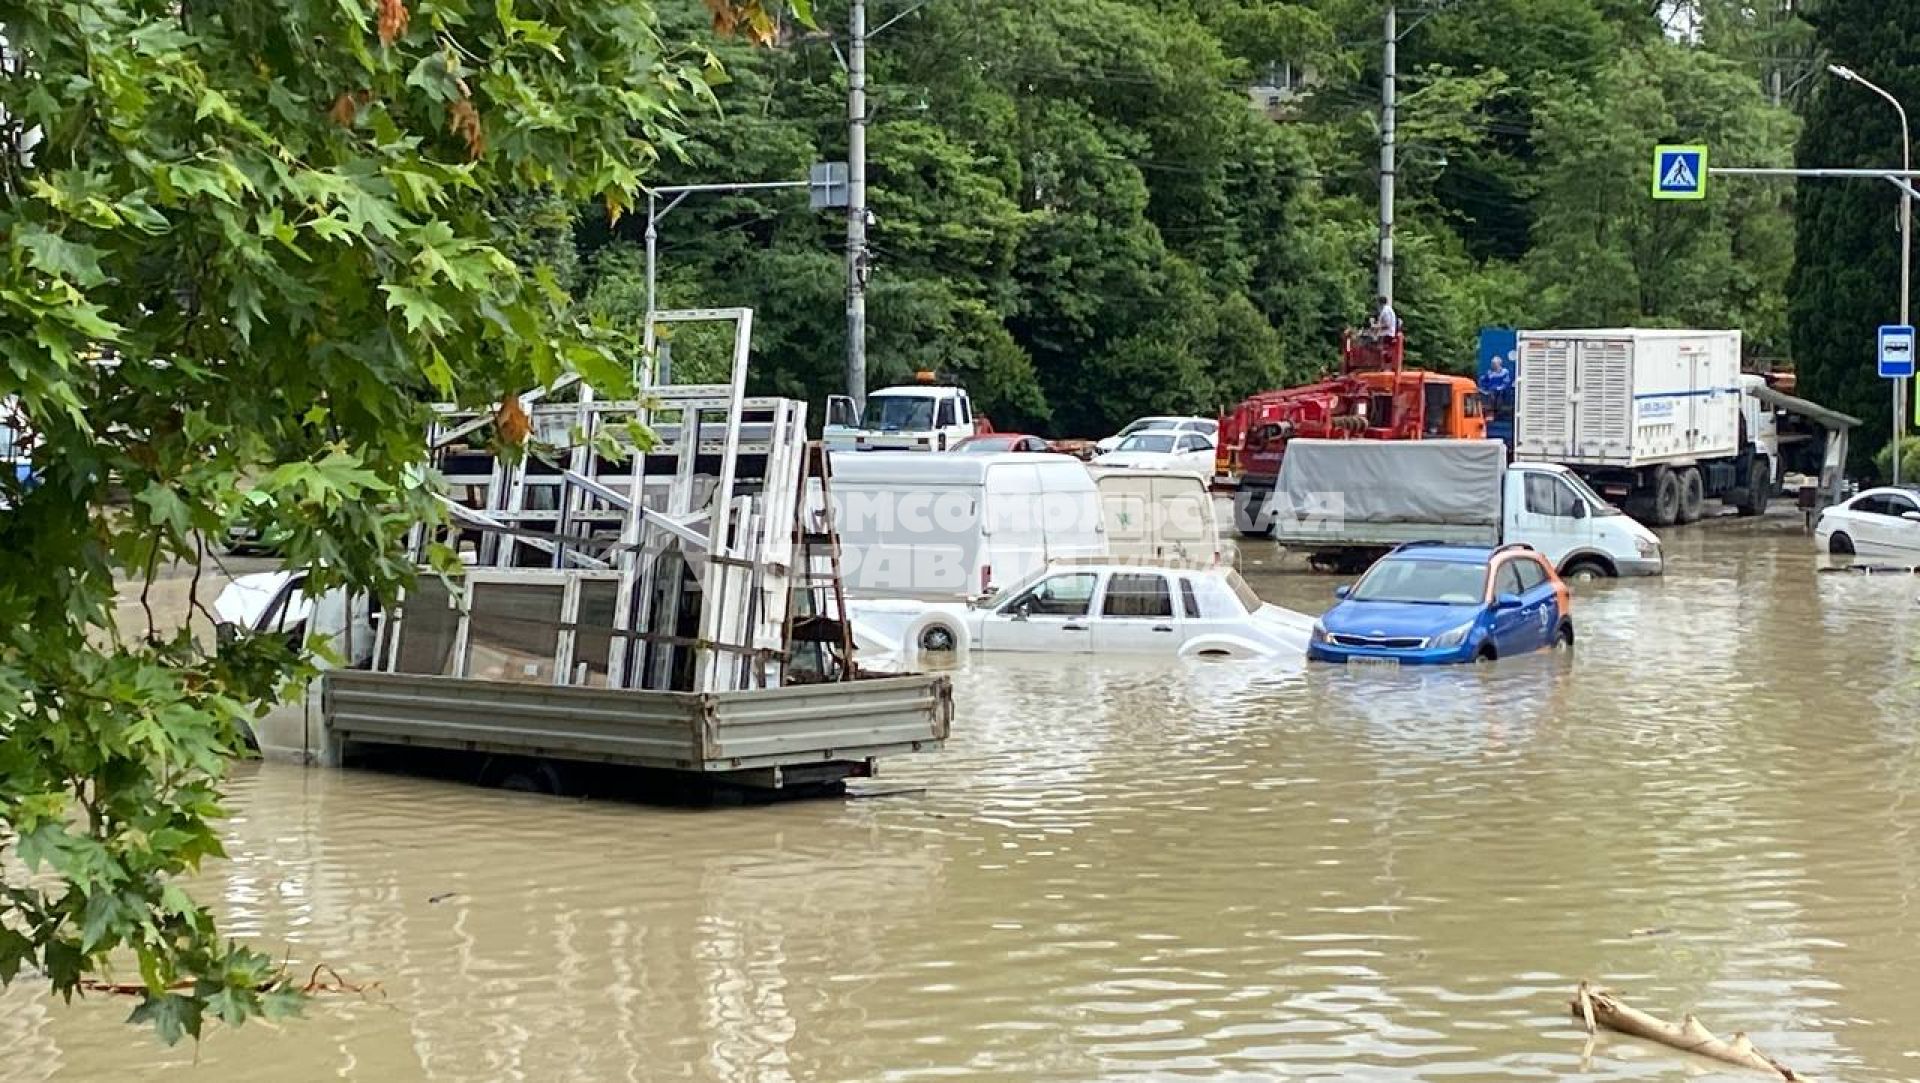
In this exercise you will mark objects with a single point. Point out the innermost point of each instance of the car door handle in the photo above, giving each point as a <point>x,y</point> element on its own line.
<point>1163,627</point>
<point>1073,627</point>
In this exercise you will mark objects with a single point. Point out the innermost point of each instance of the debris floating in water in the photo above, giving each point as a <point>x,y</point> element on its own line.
<point>1597,1007</point>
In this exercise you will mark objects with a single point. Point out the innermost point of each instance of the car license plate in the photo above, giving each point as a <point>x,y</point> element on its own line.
<point>1371,662</point>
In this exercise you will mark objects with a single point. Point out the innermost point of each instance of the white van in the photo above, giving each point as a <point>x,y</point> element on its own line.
<point>1158,515</point>
<point>954,526</point>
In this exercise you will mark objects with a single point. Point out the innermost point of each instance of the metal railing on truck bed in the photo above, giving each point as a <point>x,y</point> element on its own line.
<point>653,582</point>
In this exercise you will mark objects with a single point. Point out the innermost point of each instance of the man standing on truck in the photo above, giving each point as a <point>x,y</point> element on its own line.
<point>1386,323</point>
<point>1497,385</point>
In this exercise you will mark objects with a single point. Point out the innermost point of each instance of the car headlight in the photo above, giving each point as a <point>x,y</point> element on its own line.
<point>1648,547</point>
<point>1319,632</point>
<point>1453,637</point>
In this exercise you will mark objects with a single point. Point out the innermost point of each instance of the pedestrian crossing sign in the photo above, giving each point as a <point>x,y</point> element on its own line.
<point>1679,172</point>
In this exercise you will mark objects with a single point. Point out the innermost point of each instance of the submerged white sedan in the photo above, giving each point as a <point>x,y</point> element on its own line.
<point>1882,522</point>
<point>1089,607</point>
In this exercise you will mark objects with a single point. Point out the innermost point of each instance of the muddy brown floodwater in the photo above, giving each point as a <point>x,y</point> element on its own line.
<point>1151,871</point>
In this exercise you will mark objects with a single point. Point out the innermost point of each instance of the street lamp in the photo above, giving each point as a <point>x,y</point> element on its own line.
<point>1906,242</point>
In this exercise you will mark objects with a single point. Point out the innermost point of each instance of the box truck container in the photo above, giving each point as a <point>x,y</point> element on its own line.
<point>1657,420</point>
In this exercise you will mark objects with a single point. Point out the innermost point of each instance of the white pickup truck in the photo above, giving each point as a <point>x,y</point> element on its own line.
<point>923,416</point>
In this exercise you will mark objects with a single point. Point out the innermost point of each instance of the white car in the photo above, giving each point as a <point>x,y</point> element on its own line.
<point>1883,522</point>
<point>1204,426</point>
<point>1083,607</point>
<point>1162,449</point>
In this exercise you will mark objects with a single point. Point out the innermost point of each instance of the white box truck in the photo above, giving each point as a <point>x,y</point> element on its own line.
<point>1658,421</point>
<point>1346,502</point>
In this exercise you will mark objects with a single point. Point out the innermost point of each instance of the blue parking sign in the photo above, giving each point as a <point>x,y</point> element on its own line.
<point>1679,172</point>
<point>1896,351</point>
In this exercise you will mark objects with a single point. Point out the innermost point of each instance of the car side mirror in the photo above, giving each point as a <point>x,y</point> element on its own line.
<point>1580,510</point>
<point>1023,611</point>
<point>1913,515</point>
<point>1342,591</point>
<point>226,633</point>
<point>1507,601</point>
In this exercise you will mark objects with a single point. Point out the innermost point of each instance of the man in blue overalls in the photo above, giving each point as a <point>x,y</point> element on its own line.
<point>1497,382</point>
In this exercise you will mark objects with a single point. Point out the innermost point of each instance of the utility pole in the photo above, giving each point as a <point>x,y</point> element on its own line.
<point>857,205</point>
<point>1906,244</point>
<point>1385,269</point>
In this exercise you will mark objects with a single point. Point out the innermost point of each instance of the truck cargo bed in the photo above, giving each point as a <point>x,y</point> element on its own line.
<point>709,733</point>
<point>1386,536</point>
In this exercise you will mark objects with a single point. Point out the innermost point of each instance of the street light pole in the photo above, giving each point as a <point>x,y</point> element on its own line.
<point>857,205</point>
<point>1906,246</point>
<point>1383,272</point>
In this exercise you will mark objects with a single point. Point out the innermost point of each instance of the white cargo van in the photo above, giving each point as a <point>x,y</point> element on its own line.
<point>1158,515</point>
<point>954,526</point>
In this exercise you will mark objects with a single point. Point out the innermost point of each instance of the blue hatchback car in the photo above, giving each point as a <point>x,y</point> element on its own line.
<point>1434,603</point>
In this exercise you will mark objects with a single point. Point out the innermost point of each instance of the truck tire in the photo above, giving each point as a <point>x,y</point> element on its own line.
<point>1250,516</point>
<point>1693,495</point>
<point>1759,489</point>
<point>524,776</point>
<point>1586,569</point>
<point>1666,497</point>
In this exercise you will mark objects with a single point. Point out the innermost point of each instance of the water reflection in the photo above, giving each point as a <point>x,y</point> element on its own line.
<point>1128,869</point>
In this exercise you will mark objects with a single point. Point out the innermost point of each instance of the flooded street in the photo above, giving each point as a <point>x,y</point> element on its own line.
<point>1132,870</point>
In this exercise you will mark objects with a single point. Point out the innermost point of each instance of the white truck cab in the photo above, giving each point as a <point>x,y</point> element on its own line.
<point>1551,509</point>
<point>921,416</point>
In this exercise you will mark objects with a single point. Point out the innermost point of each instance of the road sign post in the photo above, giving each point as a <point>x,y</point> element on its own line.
<point>1896,352</point>
<point>1680,172</point>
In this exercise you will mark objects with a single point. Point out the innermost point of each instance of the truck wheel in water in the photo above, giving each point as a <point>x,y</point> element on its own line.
<point>1587,569</point>
<point>1693,494</point>
<point>537,776</point>
<point>1759,489</point>
<point>1666,497</point>
<point>936,637</point>
<point>1840,545</point>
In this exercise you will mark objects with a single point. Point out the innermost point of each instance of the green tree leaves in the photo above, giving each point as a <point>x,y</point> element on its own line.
<point>1078,210</point>
<point>1846,277</point>
<point>249,243</point>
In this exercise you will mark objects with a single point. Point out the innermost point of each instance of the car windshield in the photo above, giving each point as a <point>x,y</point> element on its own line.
<point>892,413</point>
<point>1152,441</point>
<point>1599,505</point>
<point>1434,582</point>
<point>1143,423</point>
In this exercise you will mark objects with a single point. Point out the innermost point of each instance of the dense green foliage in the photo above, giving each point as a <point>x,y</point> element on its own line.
<point>1846,278</point>
<point>1080,212</point>
<point>288,225</point>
